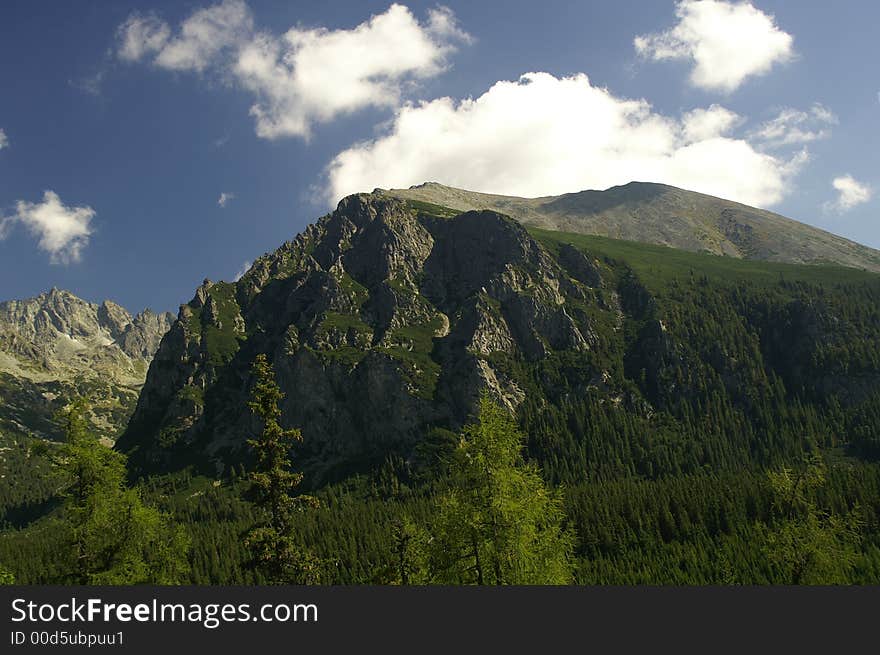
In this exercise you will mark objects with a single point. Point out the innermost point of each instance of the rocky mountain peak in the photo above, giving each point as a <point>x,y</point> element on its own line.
<point>114,318</point>
<point>49,314</point>
<point>381,319</point>
<point>58,334</point>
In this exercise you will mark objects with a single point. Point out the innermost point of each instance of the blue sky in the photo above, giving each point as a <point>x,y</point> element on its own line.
<point>123,122</point>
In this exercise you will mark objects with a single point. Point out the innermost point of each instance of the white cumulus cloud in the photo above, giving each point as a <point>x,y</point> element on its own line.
<point>63,231</point>
<point>312,75</point>
<point>543,135</point>
<point>306,75</point>
<point>225,198</point>
<point>793,126</point>
<point>726,41</point>
<point>850,193</point>
<point>701,124</point>
<point>4,140</point>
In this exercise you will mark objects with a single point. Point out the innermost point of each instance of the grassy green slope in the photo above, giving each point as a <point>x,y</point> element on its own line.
<point>658,265</point>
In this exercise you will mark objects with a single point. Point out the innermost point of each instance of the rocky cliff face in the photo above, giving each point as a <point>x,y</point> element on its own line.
<point>57,346</point>
<point>382,320</point>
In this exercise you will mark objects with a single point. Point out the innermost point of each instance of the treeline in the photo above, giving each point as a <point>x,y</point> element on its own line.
<point>699,529</point>
<point>481,515</point>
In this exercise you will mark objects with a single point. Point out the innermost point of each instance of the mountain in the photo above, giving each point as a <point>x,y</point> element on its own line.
<point>656,387</point>
<point>663,215</point>
<point>57,346</point>
<point>385,320</point>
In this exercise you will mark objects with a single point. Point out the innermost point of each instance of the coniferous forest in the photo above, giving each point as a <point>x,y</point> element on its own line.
<point>726,430</point>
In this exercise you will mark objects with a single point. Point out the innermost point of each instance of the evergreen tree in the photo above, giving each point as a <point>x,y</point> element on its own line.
<point>410,551</point>
<point>111,537</point>
<point>809,545</point>
<point>498,523</point>
<point>271,543</point>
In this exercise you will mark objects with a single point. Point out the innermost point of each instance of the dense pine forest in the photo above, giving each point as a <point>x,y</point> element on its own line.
<point>725,430</point>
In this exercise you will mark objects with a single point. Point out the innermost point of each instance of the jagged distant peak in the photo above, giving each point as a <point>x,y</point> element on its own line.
<point>59,334</point>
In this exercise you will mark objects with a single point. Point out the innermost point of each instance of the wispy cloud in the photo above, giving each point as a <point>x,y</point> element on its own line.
<point>90,84</point>
<point>794,127</point>
<point>244,269</point>
<point>141,35</point>
<point>305,76</point>
<point>728,42</point>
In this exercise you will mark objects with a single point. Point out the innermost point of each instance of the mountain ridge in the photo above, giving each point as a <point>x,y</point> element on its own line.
<point>663,215</point>
<point>56,333</point>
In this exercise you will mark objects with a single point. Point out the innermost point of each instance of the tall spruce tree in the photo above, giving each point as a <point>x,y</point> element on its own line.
<point>271,543</point>
<point>498,523</point>
<point>111,536</point>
